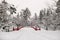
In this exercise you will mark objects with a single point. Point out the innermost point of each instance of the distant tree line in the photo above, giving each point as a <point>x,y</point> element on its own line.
<point>48,18</point>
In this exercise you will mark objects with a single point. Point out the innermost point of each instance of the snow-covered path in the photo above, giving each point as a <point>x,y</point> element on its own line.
<point>31,34</point>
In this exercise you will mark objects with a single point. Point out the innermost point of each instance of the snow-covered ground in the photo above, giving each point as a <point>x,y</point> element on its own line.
<point>30,34</point>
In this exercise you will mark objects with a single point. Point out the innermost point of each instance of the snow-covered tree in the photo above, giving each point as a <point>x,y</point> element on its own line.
<point>36,16</point>
<point>41,16</point>
<point>50,19</point>
<point>58,14</point>
<point>25,15</point>
<point>5,19</point>
<point>35,20</point>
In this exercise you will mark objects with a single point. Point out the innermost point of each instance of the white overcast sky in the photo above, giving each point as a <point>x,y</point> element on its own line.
<point>33,5</point>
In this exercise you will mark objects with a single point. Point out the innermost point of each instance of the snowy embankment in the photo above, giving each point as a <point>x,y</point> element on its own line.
<point>30,34</point>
